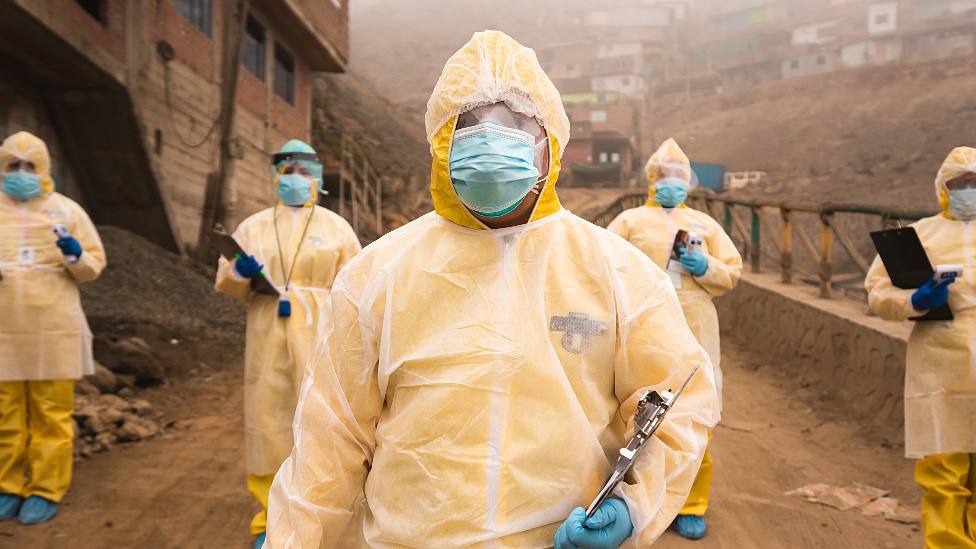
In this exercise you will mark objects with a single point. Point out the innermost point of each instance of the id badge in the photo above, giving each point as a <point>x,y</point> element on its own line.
<point>25,255</point>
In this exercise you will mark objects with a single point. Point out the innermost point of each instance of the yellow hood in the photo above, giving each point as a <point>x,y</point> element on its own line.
<point>671,154</point>
<point>27,146</point>
<point>446,202</point>
<point>492,68</point>
<point>961,160</point>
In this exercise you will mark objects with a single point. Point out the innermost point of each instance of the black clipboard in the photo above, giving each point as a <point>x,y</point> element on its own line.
<point>230,248</point>
<point>907,264</point>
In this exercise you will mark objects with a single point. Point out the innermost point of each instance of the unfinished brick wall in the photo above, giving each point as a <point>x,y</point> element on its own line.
<point>176,101</point>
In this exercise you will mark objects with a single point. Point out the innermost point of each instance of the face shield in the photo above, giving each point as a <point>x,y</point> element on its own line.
<point>303,163</point>
<point>502,115</point>
<point>297,177</point>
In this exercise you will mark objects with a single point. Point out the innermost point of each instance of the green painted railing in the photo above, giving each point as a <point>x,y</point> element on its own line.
<point>726,211</point>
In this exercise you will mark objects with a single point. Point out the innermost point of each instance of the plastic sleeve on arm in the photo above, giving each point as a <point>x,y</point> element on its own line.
<point>350,248</point>
<point>314,492</point>
<point>92,259</point>
<point>657,351</point>
<point>724,264</point>
<point>619,227</point>
<point>886,300</point>
<point>230,282</point>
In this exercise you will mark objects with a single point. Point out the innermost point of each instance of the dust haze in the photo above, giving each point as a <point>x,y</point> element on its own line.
<point>832,99</point>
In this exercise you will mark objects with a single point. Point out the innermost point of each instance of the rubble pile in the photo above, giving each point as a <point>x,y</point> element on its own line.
<point>107,411</point>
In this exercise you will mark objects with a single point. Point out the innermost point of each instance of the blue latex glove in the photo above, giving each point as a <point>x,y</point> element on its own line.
<point>260,539</point>
<point>695,263</point>
<point>608,529</point>
<point>931,295</point>
<point>69,246</point>
<point>248,267</point>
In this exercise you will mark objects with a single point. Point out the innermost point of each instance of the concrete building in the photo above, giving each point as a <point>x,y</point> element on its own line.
<point>625,47</point>
<point>809,63</point>
<point>128,95</point>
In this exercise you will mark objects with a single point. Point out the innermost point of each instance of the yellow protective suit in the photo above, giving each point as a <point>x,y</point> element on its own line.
<point>652,229</point>
<point>277,348</point>
<point>940,373</point>
<point>477,383</point>
<point>45,342</point>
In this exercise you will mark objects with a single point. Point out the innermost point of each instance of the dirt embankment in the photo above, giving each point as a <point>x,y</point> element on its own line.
<point>875,136</point>
<point>155,292</point>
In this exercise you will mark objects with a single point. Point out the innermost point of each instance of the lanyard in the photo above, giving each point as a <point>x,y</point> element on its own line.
<point>281,254</point>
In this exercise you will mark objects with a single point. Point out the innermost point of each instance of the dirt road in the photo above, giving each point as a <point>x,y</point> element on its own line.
<point>186,488</point>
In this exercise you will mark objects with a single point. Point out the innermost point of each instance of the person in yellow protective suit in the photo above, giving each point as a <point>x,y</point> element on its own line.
<point>477,370</point>
<point>45,342</point>
<point>940,372</point>
<point>301,247</point>
<point>698,276</point>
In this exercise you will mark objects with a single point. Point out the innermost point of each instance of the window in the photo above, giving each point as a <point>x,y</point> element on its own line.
<point>598,116</point>
<point>882,19</point>
<point>603,158</point>
<point>95,8</point>
<point>614,157</point>
<point>284,74</point>
<point>198,12</point>
<point>795,64</point>
<point>821,59</point>
<point>252,54</point>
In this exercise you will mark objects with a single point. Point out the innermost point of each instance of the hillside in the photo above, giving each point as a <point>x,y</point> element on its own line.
<point>875,136</point>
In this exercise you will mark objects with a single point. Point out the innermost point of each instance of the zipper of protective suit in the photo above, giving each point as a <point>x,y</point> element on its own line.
<point>497,401</point>
<point>284,304</point>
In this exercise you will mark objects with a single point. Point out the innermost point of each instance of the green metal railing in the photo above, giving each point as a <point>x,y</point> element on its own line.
<point>726,212</point>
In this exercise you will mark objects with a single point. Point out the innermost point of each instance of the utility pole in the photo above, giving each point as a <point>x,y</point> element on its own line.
<point>214,210</point>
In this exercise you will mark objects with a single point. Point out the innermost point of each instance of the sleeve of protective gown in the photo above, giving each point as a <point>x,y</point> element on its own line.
<point>724,262</point>
<point>314,492</point>
<point>886,300</point>
<point>229,282</point>
<point>657,351</point>
<point>92,259</point>
<point>350,245</point>
<point>620,227</point>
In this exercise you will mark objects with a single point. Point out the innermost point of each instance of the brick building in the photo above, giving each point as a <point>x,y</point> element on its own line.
<point>128,95</point>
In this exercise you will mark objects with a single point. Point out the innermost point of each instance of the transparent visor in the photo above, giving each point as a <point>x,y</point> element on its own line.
<point>676,170</point>
<point>501,114</point>
<point>963,181</point>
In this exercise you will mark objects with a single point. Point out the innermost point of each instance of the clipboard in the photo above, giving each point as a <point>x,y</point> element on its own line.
<point>229,248</point>
<point>907,264</point>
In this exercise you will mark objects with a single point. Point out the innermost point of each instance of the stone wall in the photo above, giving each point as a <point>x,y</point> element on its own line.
<point>832,344</point>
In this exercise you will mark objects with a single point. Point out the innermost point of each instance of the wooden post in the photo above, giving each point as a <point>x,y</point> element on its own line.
<point>786,246</point>
<point>826,255</point>
<point>235,17</point>
<point>755,249</point>
<point>727,224</point>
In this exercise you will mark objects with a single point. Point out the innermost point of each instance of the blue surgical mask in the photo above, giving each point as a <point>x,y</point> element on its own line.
<point>294,189</point>
<point>492,168</point>
<point>22,185</point>
<point>670,192</point>
<point>962,204</point>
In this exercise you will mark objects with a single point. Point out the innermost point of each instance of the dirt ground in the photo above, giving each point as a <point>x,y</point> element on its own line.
<point>186,488</point>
